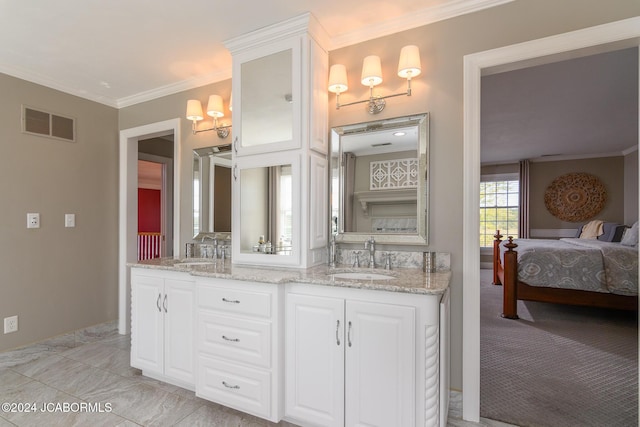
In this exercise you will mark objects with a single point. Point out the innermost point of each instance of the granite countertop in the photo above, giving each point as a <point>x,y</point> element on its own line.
<point>408,280</point>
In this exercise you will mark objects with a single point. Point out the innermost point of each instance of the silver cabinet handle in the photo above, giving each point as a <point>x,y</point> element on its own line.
<point>235,175</point>
<point>349,334</point>
<point>337,329</point>
<point>230,339</point>
<point>224,383</point>
<point>158,302</point>
<point>235,145</point>
<point>232,301</point>
<point>164,303</point>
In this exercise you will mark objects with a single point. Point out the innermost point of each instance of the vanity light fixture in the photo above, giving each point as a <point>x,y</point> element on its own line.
<point>408,67</point>
<point>214,109</point>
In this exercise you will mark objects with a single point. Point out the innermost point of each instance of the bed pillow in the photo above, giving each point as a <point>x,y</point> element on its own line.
<point>630,236</point>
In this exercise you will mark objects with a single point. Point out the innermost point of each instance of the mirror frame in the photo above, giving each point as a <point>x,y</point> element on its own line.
<point>422,210</point>
<point>202,234</point>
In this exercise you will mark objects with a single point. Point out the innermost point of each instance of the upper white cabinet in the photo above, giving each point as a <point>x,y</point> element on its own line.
<point>162,325</point>
<point>266,98</point>
<point>280,133</point>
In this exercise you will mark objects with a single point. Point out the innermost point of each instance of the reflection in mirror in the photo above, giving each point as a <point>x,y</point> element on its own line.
<point>379,180</point>
<point>266,90</point>
<point>266,210</point>
<point>211,190</point>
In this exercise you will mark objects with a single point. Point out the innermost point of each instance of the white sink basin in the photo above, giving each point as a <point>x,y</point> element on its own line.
<point>362,276</point>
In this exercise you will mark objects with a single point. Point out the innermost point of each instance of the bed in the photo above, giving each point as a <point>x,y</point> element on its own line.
<point>576,271</point>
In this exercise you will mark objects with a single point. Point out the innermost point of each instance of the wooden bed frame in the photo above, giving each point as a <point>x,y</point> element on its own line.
<point>513,290</point>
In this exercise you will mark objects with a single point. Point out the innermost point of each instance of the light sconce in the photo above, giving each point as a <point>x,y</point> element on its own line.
<point>214,109</point>
<point>408,67</point>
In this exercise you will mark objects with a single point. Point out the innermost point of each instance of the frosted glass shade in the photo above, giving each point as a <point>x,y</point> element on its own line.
<point>371,71</point>
<point>338,79</point>
<point>409,64</point>
<point>214,107</point>
<point>194,110</point>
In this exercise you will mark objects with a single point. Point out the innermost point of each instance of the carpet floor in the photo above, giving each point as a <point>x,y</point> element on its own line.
<point>558,365</point>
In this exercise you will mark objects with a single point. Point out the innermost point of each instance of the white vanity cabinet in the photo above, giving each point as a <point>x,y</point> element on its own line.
<point>239,359</point>
<point>359,357</point>
<point>162,325</point>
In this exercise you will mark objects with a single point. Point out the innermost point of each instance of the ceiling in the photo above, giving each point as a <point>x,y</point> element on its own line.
<point>121,52</point>
<point>583,107</point>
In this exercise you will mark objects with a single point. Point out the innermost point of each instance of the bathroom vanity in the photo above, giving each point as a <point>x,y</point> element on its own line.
<point>317,347</point>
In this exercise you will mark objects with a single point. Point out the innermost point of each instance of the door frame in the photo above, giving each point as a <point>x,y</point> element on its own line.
<point>166,216</point>
<point>588,41</point>
<point>128,205</point>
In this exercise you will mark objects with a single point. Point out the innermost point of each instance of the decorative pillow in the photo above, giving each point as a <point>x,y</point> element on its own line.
<point>630,236</point>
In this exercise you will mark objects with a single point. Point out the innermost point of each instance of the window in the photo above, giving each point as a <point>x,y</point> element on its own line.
<point>499,207</point>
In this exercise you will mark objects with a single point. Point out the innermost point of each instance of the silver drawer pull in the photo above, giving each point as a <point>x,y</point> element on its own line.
<point>231,339</point>
<point>233,301</point>
<point>349,335</point>
<point>337,329</point>
<point>224,383</point>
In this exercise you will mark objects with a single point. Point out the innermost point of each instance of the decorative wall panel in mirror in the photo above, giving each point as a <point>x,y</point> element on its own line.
<point>211,190</point>
<point>379,180</point>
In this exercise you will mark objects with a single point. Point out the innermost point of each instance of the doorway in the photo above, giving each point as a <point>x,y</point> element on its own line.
<point>128,209</point>
<point>612,36</point>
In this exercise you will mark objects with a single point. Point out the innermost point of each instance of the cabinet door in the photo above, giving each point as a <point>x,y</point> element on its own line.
<point>178,305</point>
<point>147,346</point>
<point>315,360</point>
<point>266,91</point>
<point>380,365</point>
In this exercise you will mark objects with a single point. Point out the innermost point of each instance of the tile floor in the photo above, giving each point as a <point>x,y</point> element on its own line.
<point>91,368</point>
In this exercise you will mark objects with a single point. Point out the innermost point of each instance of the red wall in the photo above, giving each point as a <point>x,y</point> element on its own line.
<point>148,211</point>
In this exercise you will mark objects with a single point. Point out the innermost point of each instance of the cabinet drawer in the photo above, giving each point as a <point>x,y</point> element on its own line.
<point>241,388</point>
<point>235,301</point>
<point>235,339</point>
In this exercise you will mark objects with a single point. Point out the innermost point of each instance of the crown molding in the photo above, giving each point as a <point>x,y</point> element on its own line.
<point>177,87</point>
<point>416,19</point>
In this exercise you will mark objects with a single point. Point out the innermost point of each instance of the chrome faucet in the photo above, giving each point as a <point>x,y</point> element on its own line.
<point>371,246</point>
<point>356,259</point>
<point>215,244</point>
<point>332,251</point>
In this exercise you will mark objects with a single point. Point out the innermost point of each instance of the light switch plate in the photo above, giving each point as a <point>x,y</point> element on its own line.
<point>69,220</point>
<point>33,220</point>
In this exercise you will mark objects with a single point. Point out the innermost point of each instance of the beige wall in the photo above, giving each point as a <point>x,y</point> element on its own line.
<point>57,279</point>
<point>610,171</point>
<point>438,90</point>
<point>631,188</point>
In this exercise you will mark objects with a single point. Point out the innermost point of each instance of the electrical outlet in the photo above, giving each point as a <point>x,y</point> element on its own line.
<point>10,324</point>
<point>33,220</point>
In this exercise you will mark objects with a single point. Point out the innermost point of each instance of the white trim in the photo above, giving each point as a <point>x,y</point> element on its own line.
<point>614,33</point>
<point>425,16</point>
<point>127,212</point>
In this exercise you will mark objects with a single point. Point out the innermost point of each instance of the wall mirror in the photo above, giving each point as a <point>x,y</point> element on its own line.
<point>211,190</point>
<point>266,212</point>
<point>266,99</point>
<point>267,205</point>
<point>379,180</point>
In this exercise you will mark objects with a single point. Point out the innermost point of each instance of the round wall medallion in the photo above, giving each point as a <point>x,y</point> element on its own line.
<point>575,197</point>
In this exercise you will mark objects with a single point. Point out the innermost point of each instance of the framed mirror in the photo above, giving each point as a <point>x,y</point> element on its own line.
<point>380,180</point>
<point>266,203</point>
<point>211,190</point>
